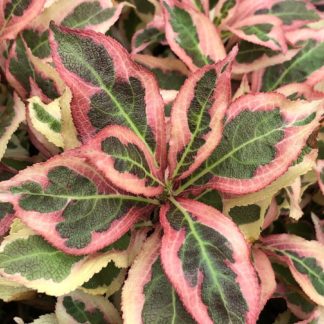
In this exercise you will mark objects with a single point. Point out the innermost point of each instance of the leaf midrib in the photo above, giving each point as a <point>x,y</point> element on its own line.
<point>304,265</point>
<point>28,256</point>
<point>95,197</point>
<point>283,75</point>
<point>148,174</point>
<point>225,157</point>
<point>193,137</point>
<point>115,101</point>
<point>206,257</point>
<point>89,18</point>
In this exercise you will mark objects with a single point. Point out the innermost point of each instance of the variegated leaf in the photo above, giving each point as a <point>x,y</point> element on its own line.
<point>319,228</point>
<point>69,132</point>
<point>29,260</point>
<point>106,282</point>
<point>12,291</point>
<point>252,57</point>
<point>16,14</point>
<point>320,174</point>
<point>29,79</point>
<point>211,198</point>
<point>299,69</point>
<point>6,216</point>
<point>297,302</point>
<point>263,134</point>
<point>48,197</point>
<point>224,11</point>
<point>198,5</point>
<point>261,30</point>
<point>292,13</point>
<point>249,217</point>
<point>266,276</point>
<point>294,193</point>
<point>147,294</point>
<point>125,160</point>
<point>244,87</point>
<point>108,88</point>
<point>295,91</point>
<point>197,117</point>
<point>97,15</point>
<point>305,260</point>
<point>47,119</point>
<point>191,35</point>
<point>79,307</point>
<point>208,262</point>
<point>45,147</point>
<point>272,214</point>
<point>152,33</point>
<point>11,115</point>
<point>170,72</point>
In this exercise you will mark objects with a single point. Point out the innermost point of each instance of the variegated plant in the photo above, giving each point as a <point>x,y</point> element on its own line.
<point>145,177</point>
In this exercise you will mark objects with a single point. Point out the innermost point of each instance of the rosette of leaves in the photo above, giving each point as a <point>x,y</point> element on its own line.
<point>196,266</point>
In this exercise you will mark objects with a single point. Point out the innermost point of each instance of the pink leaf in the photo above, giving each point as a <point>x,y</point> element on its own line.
<point>207,260</point>
<point>109,88</point>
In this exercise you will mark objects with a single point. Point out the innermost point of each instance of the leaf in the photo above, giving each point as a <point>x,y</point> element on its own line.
<point>211,198</point>
<point>152,33</point>
<point>224,11</point>
<point>320,174</point>
<point>68,132</point>
<point>10,117</point>
<point>297,302</point>
<point>198,5</point>
<point>49,196</point>
<point>305,260</point>
<point>29,260</point>
<point>243,89</point>
<point>191,35</point>
<point>46,119</point>
<point>11,291</point>
<point>97,15</point>
<point>286,179</point>
<point>79,307</point>
<point>295,91</point>
<point>272,214</point>
<point>249,217</point>
<point>319,228</point>
<point>170,72</point>
<point>106,282</point>
<point>301,67</point>
<point>108,88</point>
<point>208,262</point>
<point>6,216</point>
<point>261,30</point>
<point>266,276</point>
<point>125,161</point>
<point>16,14</point>
<point>197,116</point>
<point>294,193</point>
<point>46,148</point>
<point>36,39</point>
<point>147,294</point>
<point>29,79</point>
<point>292,13</point>
<point>252,57</point>
<point>263,134</point>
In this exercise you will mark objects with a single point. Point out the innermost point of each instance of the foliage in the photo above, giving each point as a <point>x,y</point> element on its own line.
<point>163,162</point>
